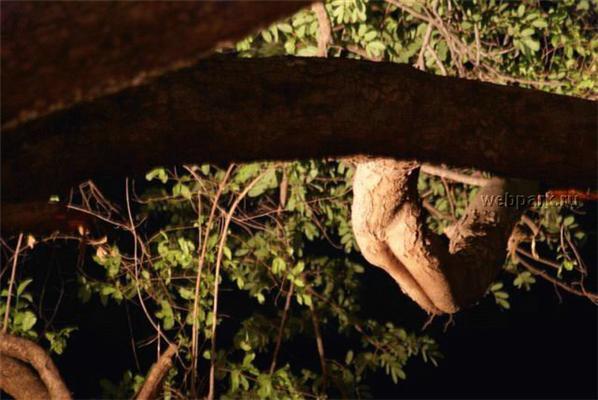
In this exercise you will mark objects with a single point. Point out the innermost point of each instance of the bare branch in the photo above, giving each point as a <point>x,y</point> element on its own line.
<point>324,29</point>
<point>15,259</point>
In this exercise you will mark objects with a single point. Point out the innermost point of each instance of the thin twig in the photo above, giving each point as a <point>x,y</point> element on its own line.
<point>283,321</point>
<point>320,345</point>
<point>453,175</point>
<point>437,60</point>
<point>583,293</point>
<point>195,333</point>
<point>420,58</point>
<point>217,277</point>
<point>15,259</point>
<point>324,29</point>
<point>131,228</point>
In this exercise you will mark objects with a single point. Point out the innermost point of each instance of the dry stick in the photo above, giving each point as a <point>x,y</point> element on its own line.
<point>425,44</point>
<point>320,344</point>
<point>195,334</point>
<point>530,224</point>
<point>580,264</point>
<point>439,63</point>
<point>283,320</point>
<point>217,277</point>
<point>324,30</point>
<point>12,281</point>
<point>583,293</point>
<point>432,210</point>
<point>478,46</point>
<point>453,175</point>
<point>131,228</point>
<point>449,196</point>
<point>420,58</point>
<point>539,259</point>
<point>156,374</point>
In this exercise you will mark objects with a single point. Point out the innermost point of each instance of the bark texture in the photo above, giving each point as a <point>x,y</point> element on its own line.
<point>55,54</point>
<point>20,381</point>
<point>226,109</point>
<point>441,274</point>
<point>25,351</point>
<point>156,375</point>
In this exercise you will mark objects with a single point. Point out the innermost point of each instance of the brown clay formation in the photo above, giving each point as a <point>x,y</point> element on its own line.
<point>441,273</point>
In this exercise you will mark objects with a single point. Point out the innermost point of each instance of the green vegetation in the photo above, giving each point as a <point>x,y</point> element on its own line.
<point>276,237</point>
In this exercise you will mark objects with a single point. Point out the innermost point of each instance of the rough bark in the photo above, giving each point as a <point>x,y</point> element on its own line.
<point>156,374</point>
<point>57,53</point>
<point>226,109</point>
<point>441,273</point>
<point>20,381</point>
<point>28,352</point>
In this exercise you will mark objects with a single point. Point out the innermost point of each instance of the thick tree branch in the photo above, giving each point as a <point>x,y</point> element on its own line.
<point>226,109</point>
<point>55,54</point>
<point>156,374</point>
<point>28,352</point>
<point>20,381</point>
<point>442,274</point>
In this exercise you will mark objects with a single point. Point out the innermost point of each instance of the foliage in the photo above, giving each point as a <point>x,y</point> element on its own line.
<point>288,258</point>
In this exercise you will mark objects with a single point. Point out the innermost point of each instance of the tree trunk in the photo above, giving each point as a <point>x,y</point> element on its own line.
<point>226,109</point>
<point>57,53</point>
<point>441,273</point>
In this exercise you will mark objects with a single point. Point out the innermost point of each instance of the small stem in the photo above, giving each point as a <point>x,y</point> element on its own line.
<point>12,281</point>
<point>320,344</point>
<point>283,321</point>
<point>453,175</point>
<point>221,245</point>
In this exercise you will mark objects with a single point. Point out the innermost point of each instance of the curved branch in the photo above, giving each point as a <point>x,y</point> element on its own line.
<point>28,352</point>
<point>20,381</point>
<point>229,109</point>
<point>442,274</point>
<point>156,374</point>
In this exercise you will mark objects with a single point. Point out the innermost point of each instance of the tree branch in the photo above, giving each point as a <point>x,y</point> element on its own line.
<point>226,109</point>
<point>156,374</point>
<point>56,54</point>
<point>28,352</point>
<point>20,381</point>
<point>441,274</point>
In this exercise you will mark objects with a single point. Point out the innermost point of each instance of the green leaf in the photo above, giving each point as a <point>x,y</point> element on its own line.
<point>159,173</point>
<point>267,181</point>
<point>186,294</point>
<point>532,44</point>
<point>28,319</point>
<point>278,265</point>
<point>23,285</point>
<point>349,357</point>
<point>309,51</point>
